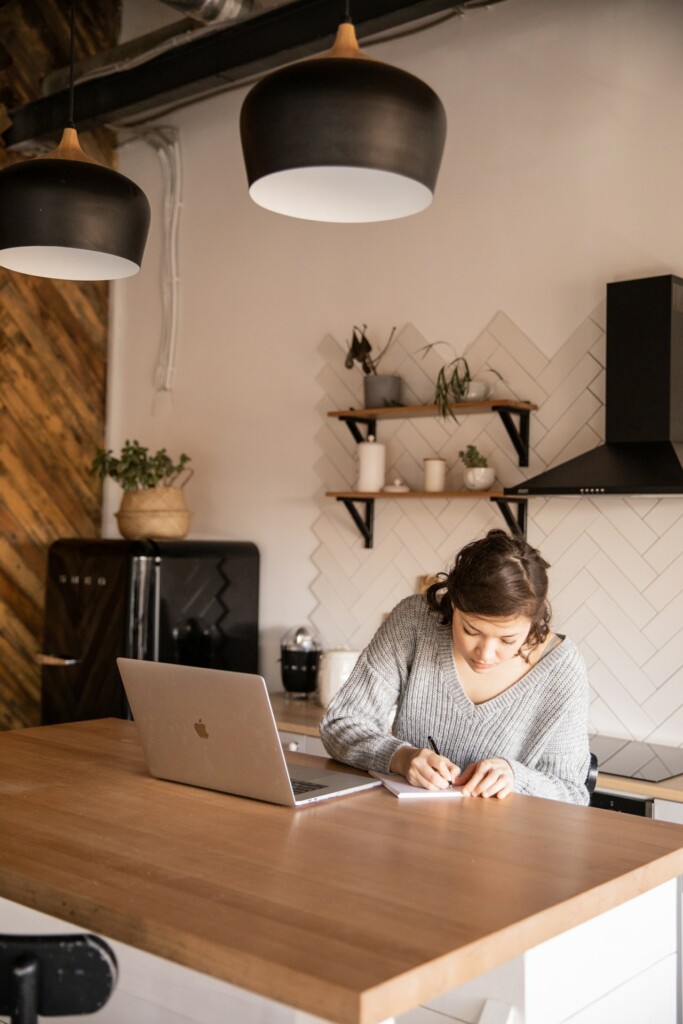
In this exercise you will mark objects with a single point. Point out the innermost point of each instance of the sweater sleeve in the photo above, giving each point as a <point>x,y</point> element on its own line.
<point>356,728</point>
<point>560,771</point>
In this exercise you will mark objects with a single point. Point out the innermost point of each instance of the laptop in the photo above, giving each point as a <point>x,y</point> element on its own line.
<point>215,729</point>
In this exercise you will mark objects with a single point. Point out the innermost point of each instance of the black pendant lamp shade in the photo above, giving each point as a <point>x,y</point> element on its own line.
<point>342,138</point>
<point>68,217</point>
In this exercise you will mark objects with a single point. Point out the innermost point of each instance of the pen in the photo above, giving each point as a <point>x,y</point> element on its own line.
<point>434,747</point>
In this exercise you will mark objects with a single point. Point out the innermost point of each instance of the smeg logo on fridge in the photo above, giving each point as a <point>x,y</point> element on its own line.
<point>87,581</point>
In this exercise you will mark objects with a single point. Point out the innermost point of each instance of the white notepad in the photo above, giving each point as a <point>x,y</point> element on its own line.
<point>397,785</point>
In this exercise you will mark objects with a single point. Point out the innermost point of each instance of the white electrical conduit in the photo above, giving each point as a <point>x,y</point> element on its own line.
<point>165,142</point>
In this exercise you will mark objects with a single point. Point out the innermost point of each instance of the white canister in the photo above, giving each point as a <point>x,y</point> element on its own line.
<point>371,465</point>
<point>435,474</point>
<point>334,669</point>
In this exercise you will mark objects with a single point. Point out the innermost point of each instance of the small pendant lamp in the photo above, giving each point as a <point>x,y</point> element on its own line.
<point>66,216</point>
<point>342,138</point>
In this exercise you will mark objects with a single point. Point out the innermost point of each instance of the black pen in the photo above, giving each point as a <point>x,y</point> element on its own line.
<point>434,747</point>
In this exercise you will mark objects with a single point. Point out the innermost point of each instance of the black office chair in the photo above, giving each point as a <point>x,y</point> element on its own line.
<point>54,975</point>
<point>592,777</point>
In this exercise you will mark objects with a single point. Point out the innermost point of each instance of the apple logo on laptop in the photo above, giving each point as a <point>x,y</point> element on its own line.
<point>200,729</point>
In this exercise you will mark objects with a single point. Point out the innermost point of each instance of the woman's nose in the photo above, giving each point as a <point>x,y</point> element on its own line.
<point>486,648</point>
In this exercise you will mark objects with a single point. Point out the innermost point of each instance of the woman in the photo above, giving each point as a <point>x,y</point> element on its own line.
<point>471,668</point>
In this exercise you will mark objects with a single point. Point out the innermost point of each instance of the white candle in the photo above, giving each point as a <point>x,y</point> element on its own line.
<point>371,463</point>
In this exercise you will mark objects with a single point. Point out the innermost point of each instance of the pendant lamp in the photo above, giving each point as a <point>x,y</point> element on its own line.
<point>342,138</point>
<point>66,216</point>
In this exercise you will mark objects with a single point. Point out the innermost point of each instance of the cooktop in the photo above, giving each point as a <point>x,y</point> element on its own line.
<point>650,762</point>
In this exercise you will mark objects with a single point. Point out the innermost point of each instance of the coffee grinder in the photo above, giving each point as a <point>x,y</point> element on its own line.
<point>300,653</point>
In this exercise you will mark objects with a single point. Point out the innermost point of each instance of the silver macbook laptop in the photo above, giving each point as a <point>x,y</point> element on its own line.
<point>215,729</point>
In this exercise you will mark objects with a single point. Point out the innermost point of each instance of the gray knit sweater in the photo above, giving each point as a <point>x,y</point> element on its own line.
<point>405,687</point>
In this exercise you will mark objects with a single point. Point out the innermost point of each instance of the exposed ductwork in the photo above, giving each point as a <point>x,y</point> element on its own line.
<point>219,44</point>
<point>208,11</point>
<point>211,11</point>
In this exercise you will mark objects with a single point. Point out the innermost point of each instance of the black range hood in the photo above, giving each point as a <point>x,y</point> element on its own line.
<point>643,450</point>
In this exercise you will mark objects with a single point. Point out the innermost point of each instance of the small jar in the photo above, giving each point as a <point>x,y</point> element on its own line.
<point>434,474</point>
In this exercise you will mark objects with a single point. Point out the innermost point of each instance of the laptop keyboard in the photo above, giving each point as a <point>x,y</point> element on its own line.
<point>300,787</point>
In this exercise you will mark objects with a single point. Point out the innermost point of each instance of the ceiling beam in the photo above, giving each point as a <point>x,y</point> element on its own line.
<point>210,63</point>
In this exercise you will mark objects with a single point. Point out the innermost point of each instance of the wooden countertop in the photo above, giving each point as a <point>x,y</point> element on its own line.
<point>354,909</point>
<point>294,715</point>
<point>669,789</point>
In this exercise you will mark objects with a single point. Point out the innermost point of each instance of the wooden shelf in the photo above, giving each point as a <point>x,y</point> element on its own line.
<point>514,416</point>
<point>364,495</point>
<point>396,412</point>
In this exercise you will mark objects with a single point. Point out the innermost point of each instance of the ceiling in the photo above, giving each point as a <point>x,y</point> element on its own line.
<point>216,46</point>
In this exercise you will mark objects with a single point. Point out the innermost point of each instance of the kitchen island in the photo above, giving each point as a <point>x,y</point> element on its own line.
<point>355,910</point>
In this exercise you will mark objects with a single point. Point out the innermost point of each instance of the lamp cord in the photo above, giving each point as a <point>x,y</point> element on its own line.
<point>347,10</point>
<point>71,123</point>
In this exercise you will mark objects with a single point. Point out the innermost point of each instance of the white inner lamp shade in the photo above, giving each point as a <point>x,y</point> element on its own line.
<point>65,264</point>
<point>349,195</point>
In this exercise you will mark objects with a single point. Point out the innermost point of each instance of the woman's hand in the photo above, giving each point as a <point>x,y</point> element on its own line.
<point>491,777</point>
<point>424,768</point>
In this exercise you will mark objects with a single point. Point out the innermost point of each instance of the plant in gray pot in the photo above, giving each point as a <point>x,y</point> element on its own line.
<point>379,389</point>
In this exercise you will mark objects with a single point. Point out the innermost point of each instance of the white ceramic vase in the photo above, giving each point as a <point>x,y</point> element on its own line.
<point>479,478</point>
<point>334,669</point>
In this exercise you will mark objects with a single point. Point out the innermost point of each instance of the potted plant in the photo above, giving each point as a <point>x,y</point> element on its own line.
<point>153,503</point>
<point>478,474</point>
<point>379,389</point>
<point>454,383</point>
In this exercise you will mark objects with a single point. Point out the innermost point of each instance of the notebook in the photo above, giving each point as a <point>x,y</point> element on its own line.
<point>215,729</point>
<point>397,785</point>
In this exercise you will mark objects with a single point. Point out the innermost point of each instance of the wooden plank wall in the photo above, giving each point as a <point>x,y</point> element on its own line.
<point>53,342</point>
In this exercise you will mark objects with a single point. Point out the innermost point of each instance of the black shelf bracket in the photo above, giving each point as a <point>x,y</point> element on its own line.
<point>370,427</point>
<point>517,432</point>
<point>366,523</point>
<point>516,522</point>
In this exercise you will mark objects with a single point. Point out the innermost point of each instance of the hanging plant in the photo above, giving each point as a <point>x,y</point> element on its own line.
<point>360,348</point>
<point>452,381</point>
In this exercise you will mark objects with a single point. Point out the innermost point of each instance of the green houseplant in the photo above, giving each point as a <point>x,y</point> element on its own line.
<point>472,458</point>
<point>153,503</point>
<point>452,381</point>
<point>478,474</point>
<point>455,384</point>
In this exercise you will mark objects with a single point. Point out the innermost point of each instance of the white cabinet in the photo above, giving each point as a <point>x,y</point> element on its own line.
<point>302,743</point>
<point>618,967</point>
<point>668,810</point>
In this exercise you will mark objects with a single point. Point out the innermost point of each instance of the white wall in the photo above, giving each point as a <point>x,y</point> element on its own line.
<point>561,172</point>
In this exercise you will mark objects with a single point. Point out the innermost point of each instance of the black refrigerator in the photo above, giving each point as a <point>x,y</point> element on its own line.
<point>190,602</point>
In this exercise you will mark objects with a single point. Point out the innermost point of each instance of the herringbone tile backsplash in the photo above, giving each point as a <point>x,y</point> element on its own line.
<point>616,562</point>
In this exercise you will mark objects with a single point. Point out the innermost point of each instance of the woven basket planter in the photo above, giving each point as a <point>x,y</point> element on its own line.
<point>158,513</point>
